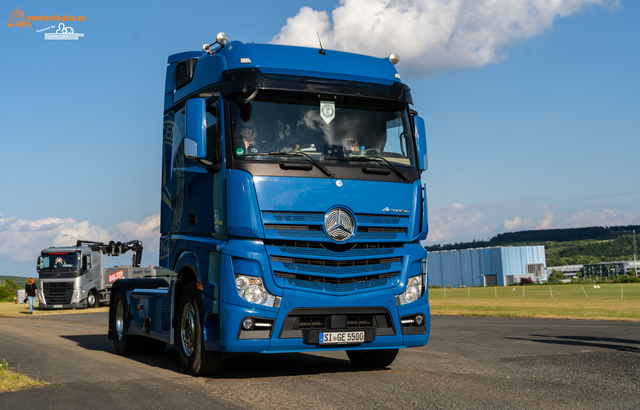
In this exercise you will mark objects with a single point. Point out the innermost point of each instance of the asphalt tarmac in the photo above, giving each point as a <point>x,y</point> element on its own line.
<point>479,363</point>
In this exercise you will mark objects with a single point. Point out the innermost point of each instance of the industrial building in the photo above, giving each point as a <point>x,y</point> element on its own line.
<point>608,269</point>
<point>501,266</point>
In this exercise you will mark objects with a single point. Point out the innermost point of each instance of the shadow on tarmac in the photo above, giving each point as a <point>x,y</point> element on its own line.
<point>236,366</point>
<point>285,364</point>
<point>92,342</point>
<point>586,341</point>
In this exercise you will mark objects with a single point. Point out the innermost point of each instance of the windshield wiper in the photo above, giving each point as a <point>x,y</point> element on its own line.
<point>379,160</point>
<point>295,154</point>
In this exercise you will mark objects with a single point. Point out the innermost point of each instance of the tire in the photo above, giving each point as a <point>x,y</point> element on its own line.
<point>190,318</point>
<point>372,359</point>
<point>92,300</point>
<point>124,343</point>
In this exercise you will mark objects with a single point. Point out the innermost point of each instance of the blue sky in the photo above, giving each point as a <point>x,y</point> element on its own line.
<point>531,110</point>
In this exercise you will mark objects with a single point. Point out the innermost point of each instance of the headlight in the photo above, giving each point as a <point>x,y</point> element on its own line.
<point>413,291</point>
<point>251,289</point>
<point>76,295</point>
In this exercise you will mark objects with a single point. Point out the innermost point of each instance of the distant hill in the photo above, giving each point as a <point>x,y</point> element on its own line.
<point>19,281</point>
<point>598,233</point>
<point>575,246</point>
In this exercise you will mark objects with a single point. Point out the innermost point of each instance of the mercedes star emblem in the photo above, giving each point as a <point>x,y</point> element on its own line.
<point>339,224</point>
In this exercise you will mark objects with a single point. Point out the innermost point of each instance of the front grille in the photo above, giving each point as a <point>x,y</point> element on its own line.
<point>311,322</point>
<point>57,293</point>
<point>300,234</point>
<point>305,322</point>
<point>309,225</point>
<point>337,268</point>
<point>348,270</point>
<point>320,322</point>
<point>337,287</point>
<point>353,253</point>
<point>296,216</point>
<point>332,270</point>
<point>306,258</point>
<point>329,250</point>
<point>319,217</point>
<point>320,262</point>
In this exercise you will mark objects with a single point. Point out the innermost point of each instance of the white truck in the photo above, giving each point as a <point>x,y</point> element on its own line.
<point>75,277</point>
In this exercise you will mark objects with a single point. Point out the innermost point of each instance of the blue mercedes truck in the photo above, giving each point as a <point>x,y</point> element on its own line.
<point>292,210</point>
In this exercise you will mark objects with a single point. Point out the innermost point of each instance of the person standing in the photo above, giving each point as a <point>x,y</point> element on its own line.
<point>31,289</point>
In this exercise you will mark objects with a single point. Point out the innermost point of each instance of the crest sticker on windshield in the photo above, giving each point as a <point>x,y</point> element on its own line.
<point>327,110</point>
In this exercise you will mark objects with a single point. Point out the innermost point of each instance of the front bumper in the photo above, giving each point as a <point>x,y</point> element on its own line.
<point>81,305</point>
<point>295,326</point>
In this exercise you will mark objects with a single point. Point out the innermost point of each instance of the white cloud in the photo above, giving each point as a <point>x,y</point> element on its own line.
<point>528,223</point>
<point>429,35</point>
<point>512,225</point>
<point>455,222</point>
<point>606,217</point>
<point>22,240</point>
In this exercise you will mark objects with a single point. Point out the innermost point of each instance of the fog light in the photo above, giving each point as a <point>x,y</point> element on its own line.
<point>248,324</point>
<point>419,320</point>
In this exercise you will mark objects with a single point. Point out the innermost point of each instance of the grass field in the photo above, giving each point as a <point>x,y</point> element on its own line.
<point>609,302</point>
<point>568,302</point>
<point>10,309</point>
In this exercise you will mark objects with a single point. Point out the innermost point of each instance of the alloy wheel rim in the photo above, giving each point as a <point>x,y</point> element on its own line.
<point>120,320</point>
<point>187,329</point>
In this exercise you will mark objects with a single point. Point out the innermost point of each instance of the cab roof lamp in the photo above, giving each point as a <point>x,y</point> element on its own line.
<point>394,58</point>
<point>221,38</point>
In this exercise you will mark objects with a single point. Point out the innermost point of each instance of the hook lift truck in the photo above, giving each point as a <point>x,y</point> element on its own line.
<point>75,276</point>
<point>292,210</point>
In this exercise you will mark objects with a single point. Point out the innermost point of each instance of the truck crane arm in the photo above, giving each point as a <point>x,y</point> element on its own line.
<point>116,249</point>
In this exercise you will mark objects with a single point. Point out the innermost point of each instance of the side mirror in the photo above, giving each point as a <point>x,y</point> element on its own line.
<point>86,264</point>
<point>39,263</point>
<point>421,140</point>
<point>195,143</point>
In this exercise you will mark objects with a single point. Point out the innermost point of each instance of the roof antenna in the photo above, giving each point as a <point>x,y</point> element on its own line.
<point>321,52</point>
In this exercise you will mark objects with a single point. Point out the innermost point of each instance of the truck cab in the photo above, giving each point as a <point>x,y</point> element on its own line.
<point>69,277</point>
<point>292,209</point>
<point>75,276</point>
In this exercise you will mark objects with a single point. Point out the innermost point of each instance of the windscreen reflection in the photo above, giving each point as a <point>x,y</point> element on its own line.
<point>326,127</point>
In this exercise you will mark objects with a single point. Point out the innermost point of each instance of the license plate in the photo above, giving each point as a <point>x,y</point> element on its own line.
<point>327,338</point>
<point>57,306</point>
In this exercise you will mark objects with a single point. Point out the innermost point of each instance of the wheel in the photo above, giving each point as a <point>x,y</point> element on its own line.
<point>372,359</point>
<point>195,358</point>
<point>124,343</point>
<point>92,299</point>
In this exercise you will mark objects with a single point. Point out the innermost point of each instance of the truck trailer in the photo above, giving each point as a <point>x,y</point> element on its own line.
<point>292,210</point>
<point>75,276</point>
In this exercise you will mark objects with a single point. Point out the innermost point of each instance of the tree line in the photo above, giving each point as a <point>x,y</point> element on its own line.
<point>8,290</point>
<point>542,235</point>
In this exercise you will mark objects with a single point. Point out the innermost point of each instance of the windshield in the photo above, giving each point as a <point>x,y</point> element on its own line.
<point>328,128</point>
<point>60,260</point>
